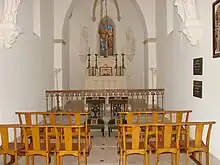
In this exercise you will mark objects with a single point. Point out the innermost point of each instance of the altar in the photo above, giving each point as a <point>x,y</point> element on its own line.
<point>106,72</point>
<point>106,82</point>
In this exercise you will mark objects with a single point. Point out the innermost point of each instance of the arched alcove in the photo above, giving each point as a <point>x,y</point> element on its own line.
<point>74,4</point>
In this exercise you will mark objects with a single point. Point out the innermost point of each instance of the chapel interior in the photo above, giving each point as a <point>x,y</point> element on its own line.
<point>108,82</point>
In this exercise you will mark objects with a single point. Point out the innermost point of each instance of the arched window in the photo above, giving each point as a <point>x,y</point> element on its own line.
<point>106,37</point>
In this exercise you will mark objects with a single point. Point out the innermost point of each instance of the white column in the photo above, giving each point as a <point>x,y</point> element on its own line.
<point>146,56</point>
<point>152,80</point>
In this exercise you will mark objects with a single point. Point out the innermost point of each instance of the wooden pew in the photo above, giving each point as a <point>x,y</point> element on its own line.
<point>52,118</point>
<point>195,143</point>
<point>154,117</point>
<point>138,141</point>
<point>64,144</point>
<point>10,145</point>
<point>56,118</point>
<point>149,117</point>
<point>178,116</point>
<point>41,143</point>
<point>133,143</point>
<point>138,118</point>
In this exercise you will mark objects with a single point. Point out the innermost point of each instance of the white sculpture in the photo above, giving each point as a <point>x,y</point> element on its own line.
<point>130,45</point>
<point>84,48</point>
<point>9,30</point>
<point>192,27</point>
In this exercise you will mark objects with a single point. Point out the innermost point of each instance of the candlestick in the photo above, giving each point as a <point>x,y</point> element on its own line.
<point>116,60</point>
<point>123,60</point>
<point>88,61</point>
<point>96,61</point>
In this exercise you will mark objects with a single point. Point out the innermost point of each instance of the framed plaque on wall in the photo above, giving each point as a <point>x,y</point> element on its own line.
<point>198,66</point>
<point>197,89</point>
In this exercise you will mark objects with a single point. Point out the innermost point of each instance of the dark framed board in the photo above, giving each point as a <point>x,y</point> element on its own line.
<point>198,66</point>
<point>197,89</point>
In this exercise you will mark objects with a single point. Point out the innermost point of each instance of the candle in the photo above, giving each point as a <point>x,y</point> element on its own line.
<point>89,50</point>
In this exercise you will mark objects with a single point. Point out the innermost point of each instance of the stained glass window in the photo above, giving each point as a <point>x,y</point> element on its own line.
<point>106,39</point>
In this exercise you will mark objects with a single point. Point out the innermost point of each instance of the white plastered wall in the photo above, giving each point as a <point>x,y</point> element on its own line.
<point>27,68</point>
<point>175,57</point>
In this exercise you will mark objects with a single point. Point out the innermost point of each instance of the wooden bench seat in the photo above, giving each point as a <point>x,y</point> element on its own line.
<point>56,118</point>
<point>136,139</point>
<point>8,147</point>
<point>68,141</point>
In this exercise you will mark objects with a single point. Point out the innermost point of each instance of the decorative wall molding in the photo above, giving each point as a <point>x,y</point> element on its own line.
<point>145,42</point>
<point>191,27</point>
<point>94,10</point>
<point>9,30</point>
<point>62,41</point>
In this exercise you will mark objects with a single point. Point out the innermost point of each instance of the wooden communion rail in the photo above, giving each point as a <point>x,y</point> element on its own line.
<point>136,98</point>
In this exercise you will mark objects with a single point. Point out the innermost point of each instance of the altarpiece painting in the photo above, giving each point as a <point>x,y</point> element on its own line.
<point>106,33</point>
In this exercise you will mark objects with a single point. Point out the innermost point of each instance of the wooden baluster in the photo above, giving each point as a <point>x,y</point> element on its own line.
<point>157,93</point>
<point>147,99</point>
<point>58,100</point>
<point>47,104</point>
<point>51,101</point>
<point>153,99</point>
<point>62,101</point>
<point>162,97</point>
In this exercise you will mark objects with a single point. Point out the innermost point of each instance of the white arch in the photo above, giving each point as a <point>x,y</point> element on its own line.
<point>66,7</point>
<point>142,17</point>
<point>145,8</point>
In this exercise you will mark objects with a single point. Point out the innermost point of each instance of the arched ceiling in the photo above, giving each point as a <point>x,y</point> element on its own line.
<point>66,7</point>
<point>94,10</point>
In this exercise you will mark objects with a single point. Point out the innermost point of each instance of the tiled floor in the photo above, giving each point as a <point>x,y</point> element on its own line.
<point>104,152</point>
